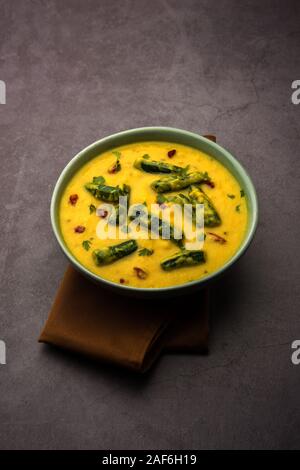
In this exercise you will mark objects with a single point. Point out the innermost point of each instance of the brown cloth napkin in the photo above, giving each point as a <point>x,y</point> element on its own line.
<point>91,320</point>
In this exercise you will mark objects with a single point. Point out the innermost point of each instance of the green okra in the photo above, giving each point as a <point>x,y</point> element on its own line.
<point>211,216</point>
<point>165,227</point>
<point>177,182</point>
<point>152,166</point>
<point>180,199</point>
<point>113,253</point>
<point>153,221</point>
<point>107,193</point>
<point>120,209</point>
<point>183,258</point>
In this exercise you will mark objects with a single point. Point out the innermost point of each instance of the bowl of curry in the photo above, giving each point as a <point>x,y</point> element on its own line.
<point>116,208</point>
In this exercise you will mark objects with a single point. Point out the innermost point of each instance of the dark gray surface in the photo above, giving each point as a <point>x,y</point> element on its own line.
<point>79,70</point>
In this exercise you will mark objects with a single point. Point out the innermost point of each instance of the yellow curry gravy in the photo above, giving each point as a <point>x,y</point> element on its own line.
<point>227,196</point>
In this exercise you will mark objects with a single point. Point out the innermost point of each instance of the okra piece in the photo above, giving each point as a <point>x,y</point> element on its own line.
<point>183,258</point>
<point>177,182</point>
<point>211,216</point>
<point>120,209</point>
<point>113,253</point>
<point>107,193</point>
<point>152,166</point>
<point>164,227</point>
<point>180,199</point>
<point>155,221</point>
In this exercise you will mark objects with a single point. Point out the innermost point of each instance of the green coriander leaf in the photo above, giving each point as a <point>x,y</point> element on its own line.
<point>98,180</point>
<point>146,252</point>
<point>86,245</point>
<point>92,208</point>
<point>117,154</point>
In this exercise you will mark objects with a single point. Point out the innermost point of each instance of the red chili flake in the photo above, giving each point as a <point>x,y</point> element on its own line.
<point>102,213</point>
<point>210,184</point>
<point>217,238</point>
<point>113,169</point>
<point>116,166</point>
<point>171,153</point>
<point>122,281</point>
<point>73,199</point>
<point>141,274</point>
<point>79,229</point>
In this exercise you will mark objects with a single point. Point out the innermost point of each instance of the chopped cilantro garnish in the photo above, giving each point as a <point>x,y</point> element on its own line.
<point>98,180</point>
<point>92,208</point>
<point>86,244</point>
<point>145,252</point>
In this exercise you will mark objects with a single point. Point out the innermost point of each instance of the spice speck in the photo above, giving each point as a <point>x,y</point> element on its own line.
<point>79,229</point>
<point>171,153</point>
<point>73,199</point>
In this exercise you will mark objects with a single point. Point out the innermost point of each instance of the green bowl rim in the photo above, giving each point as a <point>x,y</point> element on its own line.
<point>239,169</point>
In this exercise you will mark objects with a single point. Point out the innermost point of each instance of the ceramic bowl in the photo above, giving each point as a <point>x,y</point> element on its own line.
<point>177,136</point>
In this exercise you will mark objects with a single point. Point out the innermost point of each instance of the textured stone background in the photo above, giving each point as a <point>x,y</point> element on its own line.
<point>79,70</point>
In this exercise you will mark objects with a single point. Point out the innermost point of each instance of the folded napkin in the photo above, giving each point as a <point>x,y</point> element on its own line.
<point>91,320</point>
